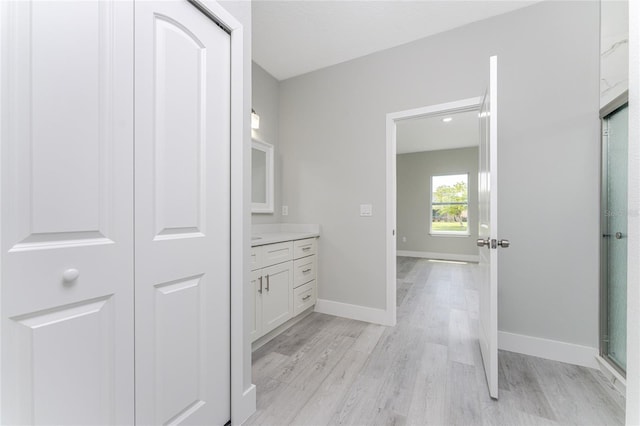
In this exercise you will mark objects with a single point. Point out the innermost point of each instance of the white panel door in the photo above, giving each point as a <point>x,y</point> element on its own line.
<point>488,231</point>
<point>182,216</point>
<point>67,212</point>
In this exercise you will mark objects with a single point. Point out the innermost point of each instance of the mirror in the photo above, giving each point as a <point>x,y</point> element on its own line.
<point>261,177</point>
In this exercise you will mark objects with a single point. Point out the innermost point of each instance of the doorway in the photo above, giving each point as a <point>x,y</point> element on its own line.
<point>445,109</point>
<point>613,253</point>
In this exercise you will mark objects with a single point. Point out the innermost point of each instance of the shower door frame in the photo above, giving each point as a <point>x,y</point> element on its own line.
<point>605,111</point>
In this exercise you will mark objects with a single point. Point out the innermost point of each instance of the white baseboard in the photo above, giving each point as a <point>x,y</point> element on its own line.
<point>549,349</point>
<point>440,256</point>
<point>356,312</point>
<point>246,406</point>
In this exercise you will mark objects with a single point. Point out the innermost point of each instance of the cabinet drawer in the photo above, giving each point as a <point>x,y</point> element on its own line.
<point>276,253</point>
<point>304,270</point>
<point>304,297</point>
<point>256,258</point>
<point>303,248</point>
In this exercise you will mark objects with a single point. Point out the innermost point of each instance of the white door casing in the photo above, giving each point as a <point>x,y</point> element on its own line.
<point>488,231</point>
<point>66,212</point>
<point>182,216</point>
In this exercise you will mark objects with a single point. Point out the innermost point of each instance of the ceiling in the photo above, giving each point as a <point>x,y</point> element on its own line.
<point>290,38</point>
<point>432,134</point>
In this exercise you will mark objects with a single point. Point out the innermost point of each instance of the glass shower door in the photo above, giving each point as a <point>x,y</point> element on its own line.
<point>614,238</point>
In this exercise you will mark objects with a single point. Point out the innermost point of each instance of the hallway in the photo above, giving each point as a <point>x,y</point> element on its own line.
<point>426,370</point>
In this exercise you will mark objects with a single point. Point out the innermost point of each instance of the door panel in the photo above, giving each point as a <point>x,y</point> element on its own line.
<point>69,349</point>
<point>177,344</point>
<point>67,212</point>
<point>277,296</point>
<point>182,216</point>
<point>488,231</point>
<point>180,68</point>
<point>614,234</point>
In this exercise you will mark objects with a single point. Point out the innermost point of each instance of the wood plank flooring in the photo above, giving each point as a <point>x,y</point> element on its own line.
<point>427,370</point>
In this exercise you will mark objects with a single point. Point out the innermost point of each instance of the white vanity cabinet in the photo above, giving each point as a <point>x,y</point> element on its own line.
<point>283,283</point>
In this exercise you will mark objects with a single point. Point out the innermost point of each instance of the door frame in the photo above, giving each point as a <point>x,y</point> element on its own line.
<point>463,105</point>
<point>605,111</point>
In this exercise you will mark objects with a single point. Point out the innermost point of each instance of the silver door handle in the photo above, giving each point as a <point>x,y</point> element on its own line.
<point>619,235</point>
<point>260,289</point>
<point>267,282</point>
<point>483,243</point>
<point>504,243</point>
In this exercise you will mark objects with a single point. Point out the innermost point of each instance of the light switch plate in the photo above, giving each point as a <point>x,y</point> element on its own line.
<point>366,210</point>
<point>285,210</point>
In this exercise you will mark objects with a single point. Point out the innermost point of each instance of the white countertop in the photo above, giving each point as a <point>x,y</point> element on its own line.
<point>277,233</point>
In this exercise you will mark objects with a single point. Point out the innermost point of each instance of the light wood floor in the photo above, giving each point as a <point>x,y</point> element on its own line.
<point>427,370</point>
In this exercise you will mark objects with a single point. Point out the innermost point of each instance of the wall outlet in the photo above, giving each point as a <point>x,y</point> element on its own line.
<point>285,210</point>
<point>404,239</point>
<point>366,210</point>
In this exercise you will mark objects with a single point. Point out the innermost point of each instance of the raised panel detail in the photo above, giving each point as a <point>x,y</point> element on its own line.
<point>178,349</point>
<point>65,363</point>
<point>179,121</point>
<point>61,162</point>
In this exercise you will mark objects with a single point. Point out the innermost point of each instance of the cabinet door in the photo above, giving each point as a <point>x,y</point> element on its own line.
<point>67,212</point>
<point>256,289</point>
<point>277,295</point>
<point>182,216</point>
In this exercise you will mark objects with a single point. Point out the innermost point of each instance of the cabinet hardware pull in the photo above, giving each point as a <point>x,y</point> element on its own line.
<point>306,297</point>
<point>306,270</point>
<point>306,248</point>
<point>260,289</point>
<point>267,282</point>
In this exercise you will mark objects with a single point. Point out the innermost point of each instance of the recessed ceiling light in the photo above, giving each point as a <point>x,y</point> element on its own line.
<point>447,119</point>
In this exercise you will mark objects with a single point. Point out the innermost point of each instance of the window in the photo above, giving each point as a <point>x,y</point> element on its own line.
<point>450,205</point>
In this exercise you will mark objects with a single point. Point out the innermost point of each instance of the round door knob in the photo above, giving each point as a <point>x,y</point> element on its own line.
<point>70,275</point>
<point>618,235</point>
<point>504,243</point>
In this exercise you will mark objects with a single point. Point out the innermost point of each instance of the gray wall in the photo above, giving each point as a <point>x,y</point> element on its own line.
<point>332,139</point>
<point>414,172</point>
<point>265,100</point>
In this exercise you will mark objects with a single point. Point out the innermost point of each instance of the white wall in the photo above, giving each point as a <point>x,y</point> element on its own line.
<point>265,101</point>
<point>414,172</point>
<point>633,281</point>
<point>332,134</point>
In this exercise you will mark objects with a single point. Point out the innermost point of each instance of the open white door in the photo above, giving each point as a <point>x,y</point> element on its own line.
<point>488,230</point>
<point>182,215</point>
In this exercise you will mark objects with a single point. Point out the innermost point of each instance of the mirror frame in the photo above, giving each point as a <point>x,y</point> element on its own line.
<point>267,148</point>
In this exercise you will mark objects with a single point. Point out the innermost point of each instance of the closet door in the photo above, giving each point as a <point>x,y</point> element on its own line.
<point>66,197</point>
<point>182,221</point>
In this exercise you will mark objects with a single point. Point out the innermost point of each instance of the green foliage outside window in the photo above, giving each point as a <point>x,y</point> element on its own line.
<point>450,204</point>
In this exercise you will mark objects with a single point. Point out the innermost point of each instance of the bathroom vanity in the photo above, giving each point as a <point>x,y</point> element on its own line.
<point>284,259</point>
